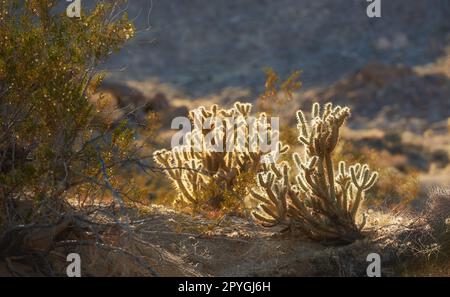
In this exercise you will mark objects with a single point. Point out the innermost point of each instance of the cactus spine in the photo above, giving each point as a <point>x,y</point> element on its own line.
<point>202,175</point>
<point>322,203</point>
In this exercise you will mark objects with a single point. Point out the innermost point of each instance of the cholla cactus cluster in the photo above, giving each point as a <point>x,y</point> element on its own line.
<point>206,168</point>
<point>322,203</point>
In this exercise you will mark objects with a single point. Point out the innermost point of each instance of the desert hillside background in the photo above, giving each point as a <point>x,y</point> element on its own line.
<point>392,72</point>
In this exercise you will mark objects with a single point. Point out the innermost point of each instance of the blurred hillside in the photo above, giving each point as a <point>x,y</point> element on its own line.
<point>201,47</point>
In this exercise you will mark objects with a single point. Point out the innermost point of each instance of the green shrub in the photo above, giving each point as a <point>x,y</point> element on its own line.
<point>52,138</point>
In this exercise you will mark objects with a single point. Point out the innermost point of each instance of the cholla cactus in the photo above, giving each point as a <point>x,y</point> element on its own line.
<point>206,168</point>
<point>274,181</point>
<point>321,203</point>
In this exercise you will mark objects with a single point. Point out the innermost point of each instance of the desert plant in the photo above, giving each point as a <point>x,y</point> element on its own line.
<point>211,177</point>
<point>438,214</point>
<point>52,138</point>
<point>277,92</point>
<point>278,100</point>
<point>321,203</point>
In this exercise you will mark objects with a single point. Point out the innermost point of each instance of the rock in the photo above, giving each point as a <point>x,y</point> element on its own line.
<point>125,95</point>
<point>159,102</point>
<point>381,74</point>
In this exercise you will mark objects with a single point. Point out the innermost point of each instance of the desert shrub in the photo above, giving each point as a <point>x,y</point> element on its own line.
<point>52,138</point>
<point>394,190</point>
<point>438,216</point>
<point>278,92</point>
<point>206,172</point>
<point>322,203</point>
<point>278,99</point>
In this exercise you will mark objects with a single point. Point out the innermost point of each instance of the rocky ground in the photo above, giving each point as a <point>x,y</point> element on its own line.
<point>165,242</point>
